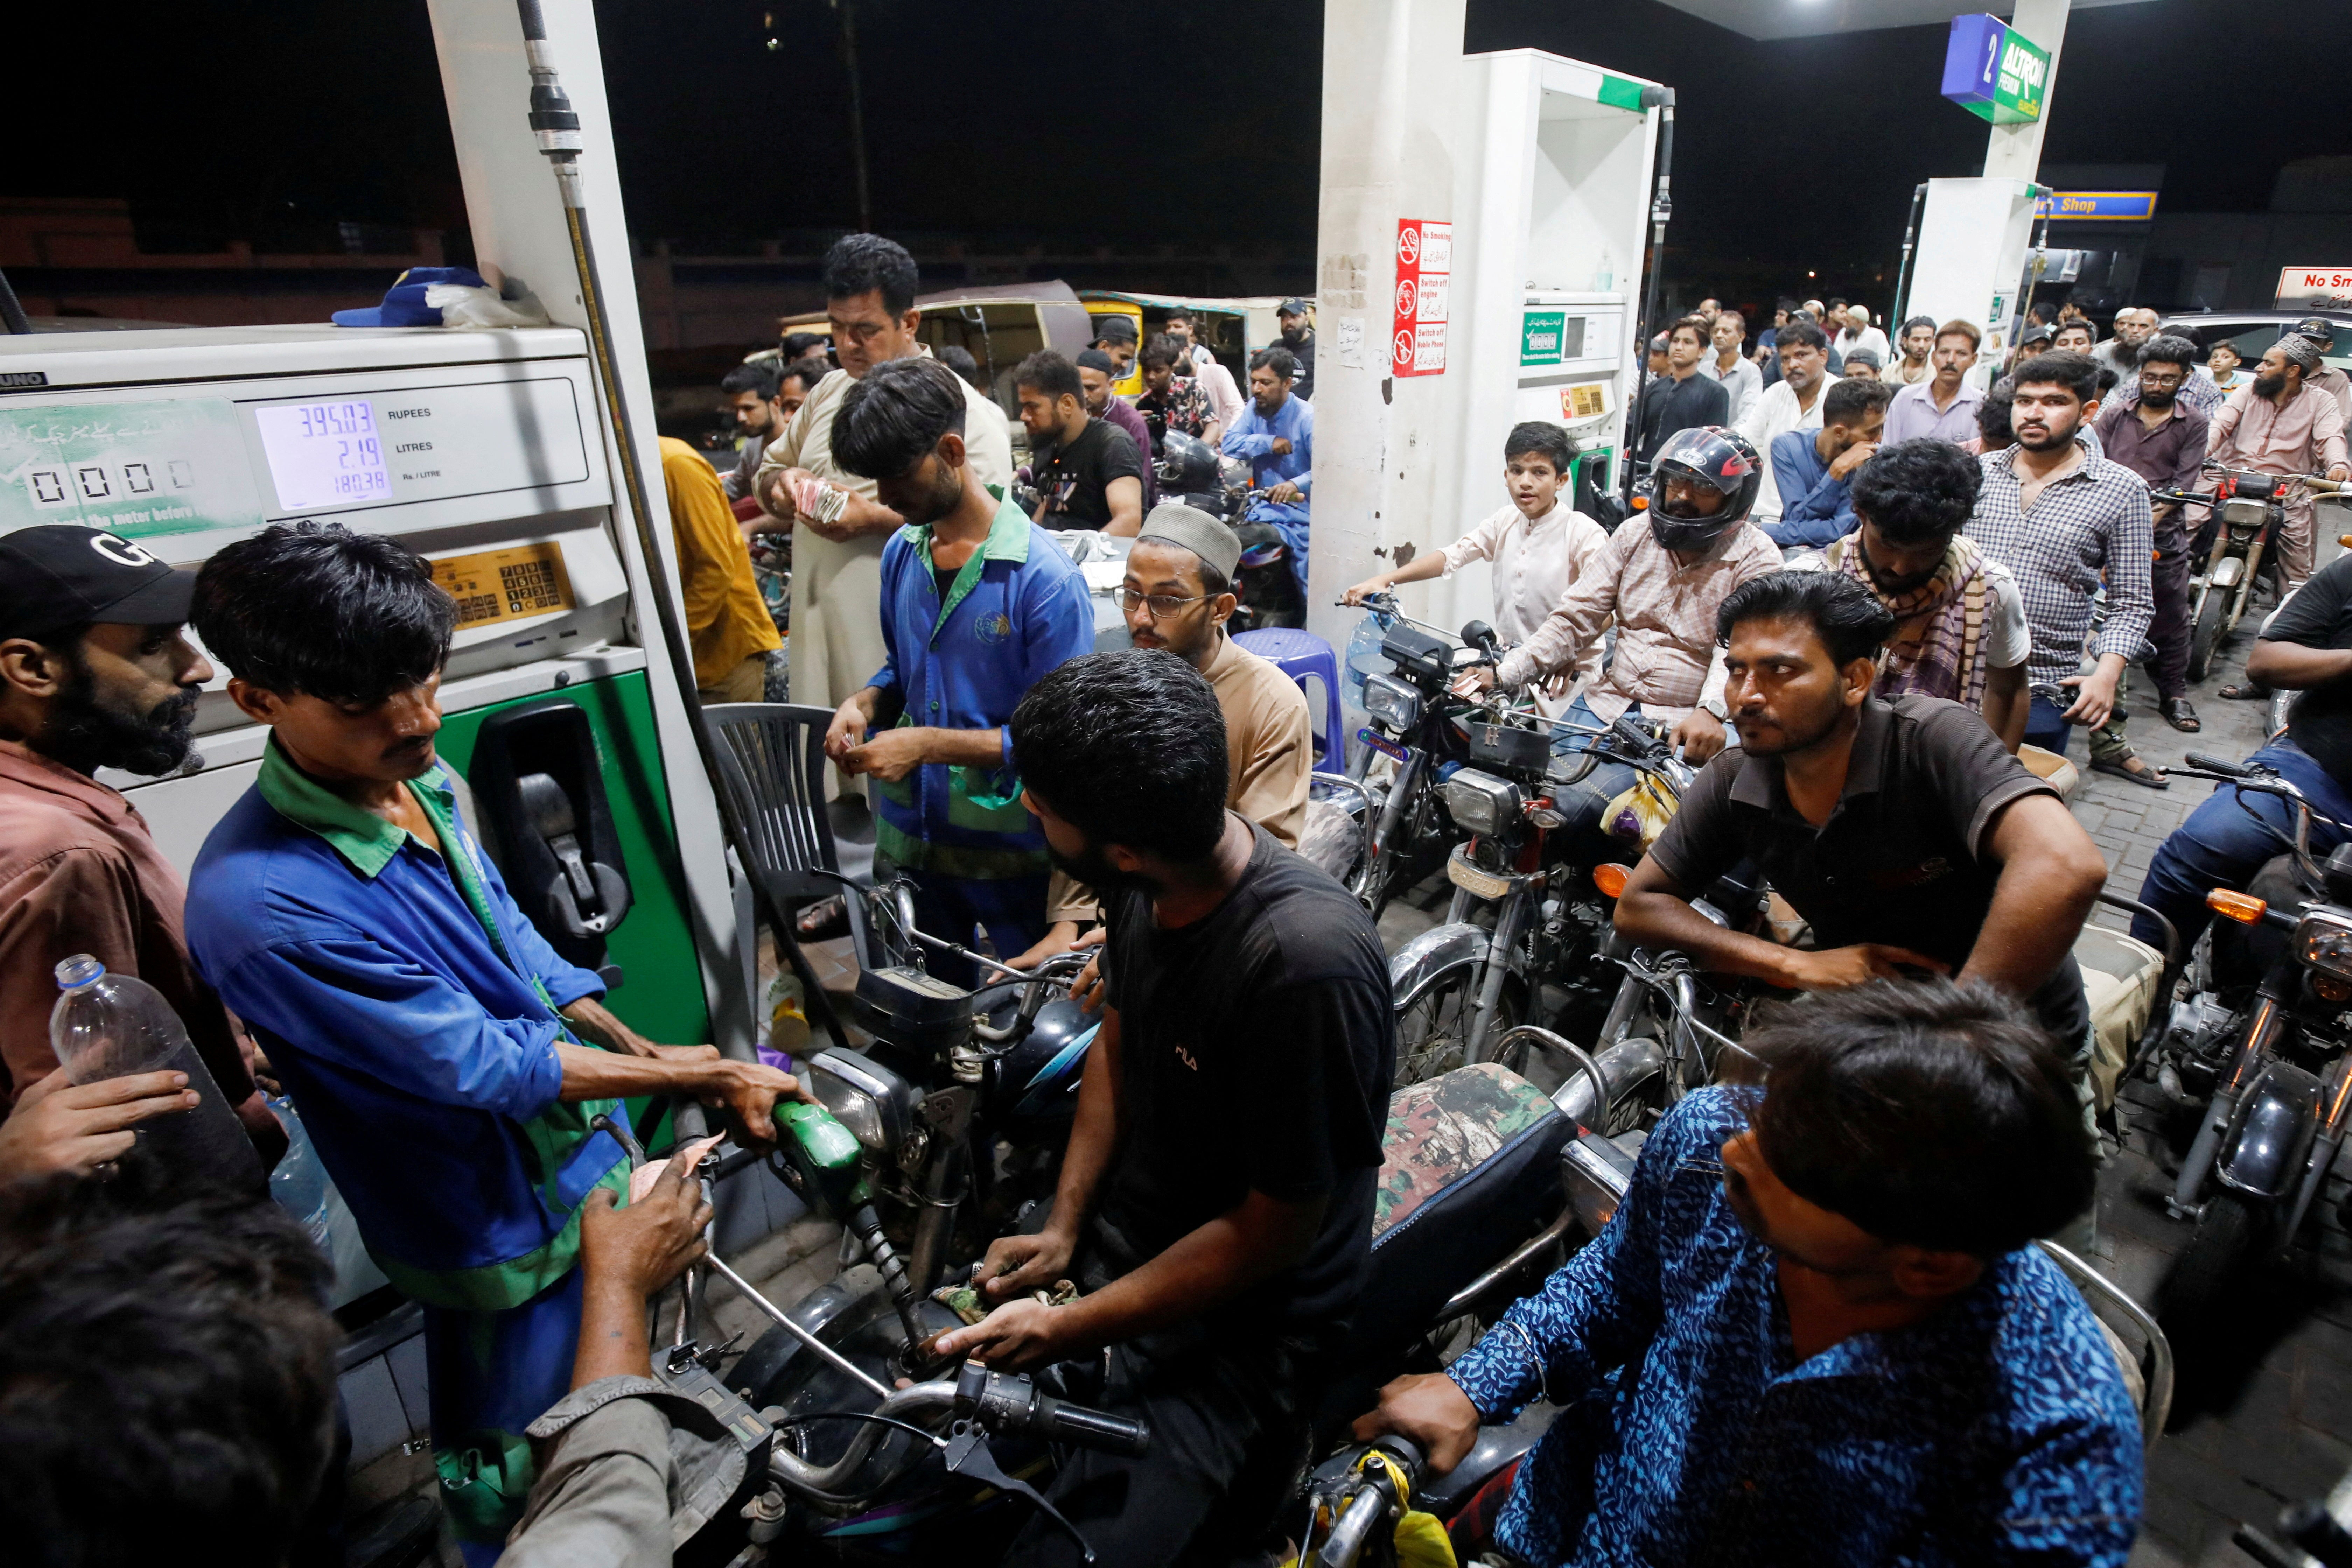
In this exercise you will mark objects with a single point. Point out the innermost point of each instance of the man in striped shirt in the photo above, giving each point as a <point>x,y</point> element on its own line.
<point>2062,520</point>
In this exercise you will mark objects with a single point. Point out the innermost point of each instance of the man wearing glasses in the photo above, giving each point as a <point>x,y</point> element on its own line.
<point>1177,596</point>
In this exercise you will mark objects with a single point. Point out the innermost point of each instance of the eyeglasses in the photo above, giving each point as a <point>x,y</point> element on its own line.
<point>1163,606</point>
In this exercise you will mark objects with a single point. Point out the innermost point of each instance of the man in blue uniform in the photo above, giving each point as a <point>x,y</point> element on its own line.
<point>447,1063</point>
<point>1277,433</point>
<point>976,603</point>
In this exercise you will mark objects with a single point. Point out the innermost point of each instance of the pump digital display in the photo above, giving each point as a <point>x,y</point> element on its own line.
<point>324,454</point>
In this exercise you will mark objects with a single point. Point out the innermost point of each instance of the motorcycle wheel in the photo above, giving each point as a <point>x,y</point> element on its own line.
<point>2225,1235</point>
<point>2206,639</point>
<point>1433,1031</point>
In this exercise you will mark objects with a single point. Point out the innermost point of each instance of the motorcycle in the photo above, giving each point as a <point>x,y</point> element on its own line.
<point>961,1105</point>
<point>1194,474</point>
<point>2252,508</point>
<point>1474,1208</point>
<point>777,1474</point>
<point>1416,721</point>
<point>2263,1037</point>
<point>1459,985</point>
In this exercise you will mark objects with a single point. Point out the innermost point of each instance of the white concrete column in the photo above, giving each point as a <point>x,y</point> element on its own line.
<point>520,234</point>
<point>2015,151</point>
<point>1392,76</point>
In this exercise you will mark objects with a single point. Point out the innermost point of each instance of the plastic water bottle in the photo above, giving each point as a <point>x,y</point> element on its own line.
<point>110,1026</point>
<point>300,1182</point>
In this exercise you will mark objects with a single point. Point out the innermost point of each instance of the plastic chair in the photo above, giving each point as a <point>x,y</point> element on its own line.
<point>771,765</point>
<point>1301,655</point>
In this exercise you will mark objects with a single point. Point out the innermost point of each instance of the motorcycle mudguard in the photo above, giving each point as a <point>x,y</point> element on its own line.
<point>2268,1141</point>
<point>2228,570</point>
<point>1623,1067</point>
<point>1436,953</point>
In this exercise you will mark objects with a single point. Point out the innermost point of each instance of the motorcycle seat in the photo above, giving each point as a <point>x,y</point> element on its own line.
<point>1470,1170</point>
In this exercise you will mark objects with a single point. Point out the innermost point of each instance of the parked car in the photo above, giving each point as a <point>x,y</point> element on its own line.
<point>2252,332</point>
<point>999,325</point>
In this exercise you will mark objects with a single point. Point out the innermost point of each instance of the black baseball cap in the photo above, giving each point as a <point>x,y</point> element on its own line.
<point>2318,329</point>
<point>61,574</point>
<point>1293,307</point>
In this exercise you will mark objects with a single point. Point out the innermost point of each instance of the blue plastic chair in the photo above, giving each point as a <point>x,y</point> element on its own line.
<point>1301,655</point>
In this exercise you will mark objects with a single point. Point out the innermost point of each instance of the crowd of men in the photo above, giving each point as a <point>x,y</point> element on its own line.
<point>1821,396</point>
<point>1863,578</point>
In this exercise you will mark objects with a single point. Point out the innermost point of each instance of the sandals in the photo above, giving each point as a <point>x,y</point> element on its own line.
<point>2243,692</point>
<point>2179,715</point>
<point>823,921</point>
<point>2145,776</point>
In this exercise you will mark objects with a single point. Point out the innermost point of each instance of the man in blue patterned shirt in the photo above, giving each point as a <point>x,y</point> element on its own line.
<point>1815,1331</point>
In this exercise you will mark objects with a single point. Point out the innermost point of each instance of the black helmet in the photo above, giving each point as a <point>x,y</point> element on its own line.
<point>1709,456</point>
<point>1187,465</point>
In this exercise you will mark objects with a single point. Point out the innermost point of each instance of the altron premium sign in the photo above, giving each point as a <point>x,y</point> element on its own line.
<point>1994,71</point>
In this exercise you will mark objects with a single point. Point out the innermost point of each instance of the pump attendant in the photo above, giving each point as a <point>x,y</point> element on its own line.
<point>447,1063</point>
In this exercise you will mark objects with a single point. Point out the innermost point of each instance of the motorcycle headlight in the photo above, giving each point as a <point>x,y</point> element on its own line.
<point>2324,942</point>
<point>1391,702</point>
<point>875,1104</point>
<point>2245,514</point>
<point>1481,802</point>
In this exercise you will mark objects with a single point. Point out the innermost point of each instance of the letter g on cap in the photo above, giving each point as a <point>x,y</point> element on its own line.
<point>121,551</point>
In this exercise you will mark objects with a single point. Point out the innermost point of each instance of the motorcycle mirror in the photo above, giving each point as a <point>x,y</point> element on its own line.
<point>1481,636</point>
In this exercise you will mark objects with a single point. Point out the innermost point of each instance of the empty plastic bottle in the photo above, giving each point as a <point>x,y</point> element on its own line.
<point>109,1026</point>
<point>299,1181</point>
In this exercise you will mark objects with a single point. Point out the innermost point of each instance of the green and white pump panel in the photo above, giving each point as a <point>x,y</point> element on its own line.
<point>482,451</point>
<point>1562,208</point>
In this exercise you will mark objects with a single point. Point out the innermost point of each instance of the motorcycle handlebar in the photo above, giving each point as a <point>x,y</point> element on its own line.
<point>1090,1428</point>
<point>2217,764</point>
<point>1014,1405</point>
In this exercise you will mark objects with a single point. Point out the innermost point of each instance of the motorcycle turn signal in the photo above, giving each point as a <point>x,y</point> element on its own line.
<point>2242,907</point>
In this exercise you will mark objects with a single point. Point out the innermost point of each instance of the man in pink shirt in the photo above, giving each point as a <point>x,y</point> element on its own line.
<point>94,673</point>
<point>2284,424</point>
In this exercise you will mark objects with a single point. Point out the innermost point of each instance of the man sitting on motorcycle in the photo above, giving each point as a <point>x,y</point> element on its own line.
<point>1960,631</point>
<point>1816,1329</point>
<point>1221,1168</point>
<point>2306,646</point>
<point>1902,831</point>
<point>1276,435</point>
<point>1662,584</point>
<point>1179,595</point>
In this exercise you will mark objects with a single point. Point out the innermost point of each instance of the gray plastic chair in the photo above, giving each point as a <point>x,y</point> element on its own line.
<point>771,765</point>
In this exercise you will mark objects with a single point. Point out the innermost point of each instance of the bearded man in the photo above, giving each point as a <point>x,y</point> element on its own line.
<point>95,672</point>
<point>1959,619</point>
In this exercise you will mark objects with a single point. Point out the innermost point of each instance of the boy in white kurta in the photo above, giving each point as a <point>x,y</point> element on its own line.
<point>1537,544</point>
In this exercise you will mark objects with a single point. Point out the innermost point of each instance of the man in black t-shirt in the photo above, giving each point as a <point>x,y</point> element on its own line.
<point>1228,1131</point>
<point>1902,830</point>
<point>1086,470</point>
<point>1682,399</point>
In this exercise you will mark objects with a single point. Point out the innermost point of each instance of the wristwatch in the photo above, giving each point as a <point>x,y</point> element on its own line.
<point>1713,707</point>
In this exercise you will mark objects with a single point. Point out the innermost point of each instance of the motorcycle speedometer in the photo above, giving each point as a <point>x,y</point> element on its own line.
<point>2323,940</point>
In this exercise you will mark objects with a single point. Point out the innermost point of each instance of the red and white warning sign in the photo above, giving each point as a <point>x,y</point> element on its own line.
<point>1424,262</point>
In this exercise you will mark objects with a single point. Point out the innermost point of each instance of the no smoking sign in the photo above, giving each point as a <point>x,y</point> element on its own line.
<point>1424,253</point>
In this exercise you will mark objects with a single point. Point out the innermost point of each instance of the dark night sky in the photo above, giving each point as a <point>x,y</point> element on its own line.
<point>1140,125</point>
